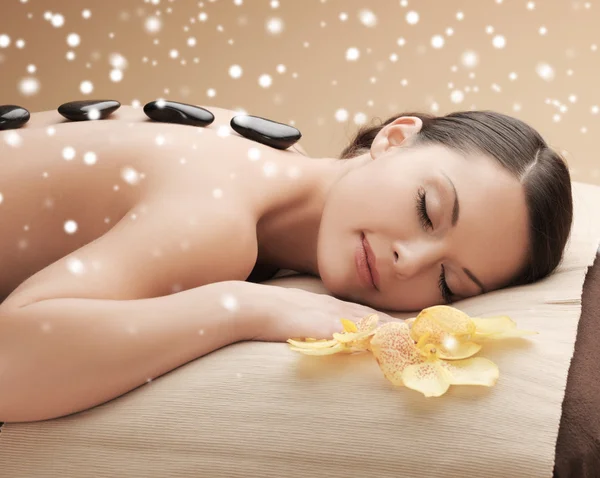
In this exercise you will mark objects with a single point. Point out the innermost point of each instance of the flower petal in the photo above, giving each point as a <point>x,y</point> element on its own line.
<point>428,377</point>
<point>493,325</point>
<point>357,335</point>
<point>473,371</point>
<point>349,326</point>
<point>439,321</point>
<point>364,345</point>
<point>498,327</point>
<point>313,345</point>
<point>452,349</point>
<point>392,364</point>
<point>368,323</point>
<point>350,337</point>
<point>339,348</point>
<point>355,338</point>
<point>394,350</point>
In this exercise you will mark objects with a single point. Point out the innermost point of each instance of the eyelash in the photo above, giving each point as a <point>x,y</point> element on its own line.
<point>422,210</point>
<point>443,285</point>
<point>426,223</point>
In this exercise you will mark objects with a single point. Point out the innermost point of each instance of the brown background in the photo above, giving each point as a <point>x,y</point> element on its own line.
<point>318,79</point>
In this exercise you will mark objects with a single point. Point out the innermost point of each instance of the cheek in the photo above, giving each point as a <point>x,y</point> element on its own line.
<point>328,248</point>
<point>373,200</point>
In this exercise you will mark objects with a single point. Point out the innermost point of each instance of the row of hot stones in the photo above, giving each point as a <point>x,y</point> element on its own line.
<point>261,130</point>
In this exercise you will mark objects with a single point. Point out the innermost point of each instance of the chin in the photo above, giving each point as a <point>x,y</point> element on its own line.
<point>331,281</point>
<point>338,283</point>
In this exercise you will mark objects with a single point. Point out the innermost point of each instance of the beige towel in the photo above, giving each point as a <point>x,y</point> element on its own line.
<point>259,410</point>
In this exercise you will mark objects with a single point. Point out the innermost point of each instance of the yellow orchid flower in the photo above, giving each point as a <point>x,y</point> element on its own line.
<point>421,368</point>
<point>355,338</point>
<point>456,334</point>
<point>414,352</point>
<point>449,329</point>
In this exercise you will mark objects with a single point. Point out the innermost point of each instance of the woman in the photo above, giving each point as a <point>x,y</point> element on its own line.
<point>135,239</point>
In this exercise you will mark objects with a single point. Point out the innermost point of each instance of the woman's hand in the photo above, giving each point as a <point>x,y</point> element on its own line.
<point>296,313</point>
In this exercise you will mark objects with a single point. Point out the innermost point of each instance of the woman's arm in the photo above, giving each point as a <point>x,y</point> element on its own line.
<point>61,356</point>
<point>102,320</point>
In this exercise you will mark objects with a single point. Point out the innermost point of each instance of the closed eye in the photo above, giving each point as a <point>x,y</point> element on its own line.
<point>444,289</point>
<point>427,224</point>
<point>422,210</point>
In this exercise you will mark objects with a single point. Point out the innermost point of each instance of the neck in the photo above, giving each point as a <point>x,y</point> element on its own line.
<point>288,226</point>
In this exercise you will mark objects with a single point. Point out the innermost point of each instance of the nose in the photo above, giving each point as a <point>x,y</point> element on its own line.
<point>412,258</point>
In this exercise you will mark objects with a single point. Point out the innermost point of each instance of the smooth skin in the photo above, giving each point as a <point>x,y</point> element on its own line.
<point>172,223</point>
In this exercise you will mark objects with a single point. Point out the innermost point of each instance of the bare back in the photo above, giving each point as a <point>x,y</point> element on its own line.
<point>65,185</point>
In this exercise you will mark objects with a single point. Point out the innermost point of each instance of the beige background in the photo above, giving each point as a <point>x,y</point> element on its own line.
<point>320,91</point>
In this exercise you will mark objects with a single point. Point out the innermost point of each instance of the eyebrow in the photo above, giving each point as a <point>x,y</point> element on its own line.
<point>474,279</point>
<point>455,215</point>
<point>455,208</point>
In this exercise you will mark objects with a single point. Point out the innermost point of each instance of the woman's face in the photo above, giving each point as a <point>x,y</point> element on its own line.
<point>425,212</point>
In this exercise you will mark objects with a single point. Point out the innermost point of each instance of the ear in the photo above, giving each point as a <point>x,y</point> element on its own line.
<point>395,134</point>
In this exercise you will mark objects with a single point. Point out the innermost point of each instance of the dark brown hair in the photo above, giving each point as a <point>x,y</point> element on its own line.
<point>524,153</point>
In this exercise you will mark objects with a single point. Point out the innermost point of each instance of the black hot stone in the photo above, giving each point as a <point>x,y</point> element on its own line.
<point>271,133</point>
<point>180,113</point>
<point>13,116</point>
<point>80,110</point>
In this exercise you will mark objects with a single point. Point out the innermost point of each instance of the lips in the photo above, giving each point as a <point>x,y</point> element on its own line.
<point>371,260</point>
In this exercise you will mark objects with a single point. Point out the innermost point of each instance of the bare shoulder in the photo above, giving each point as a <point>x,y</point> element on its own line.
<point>162,246</point>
